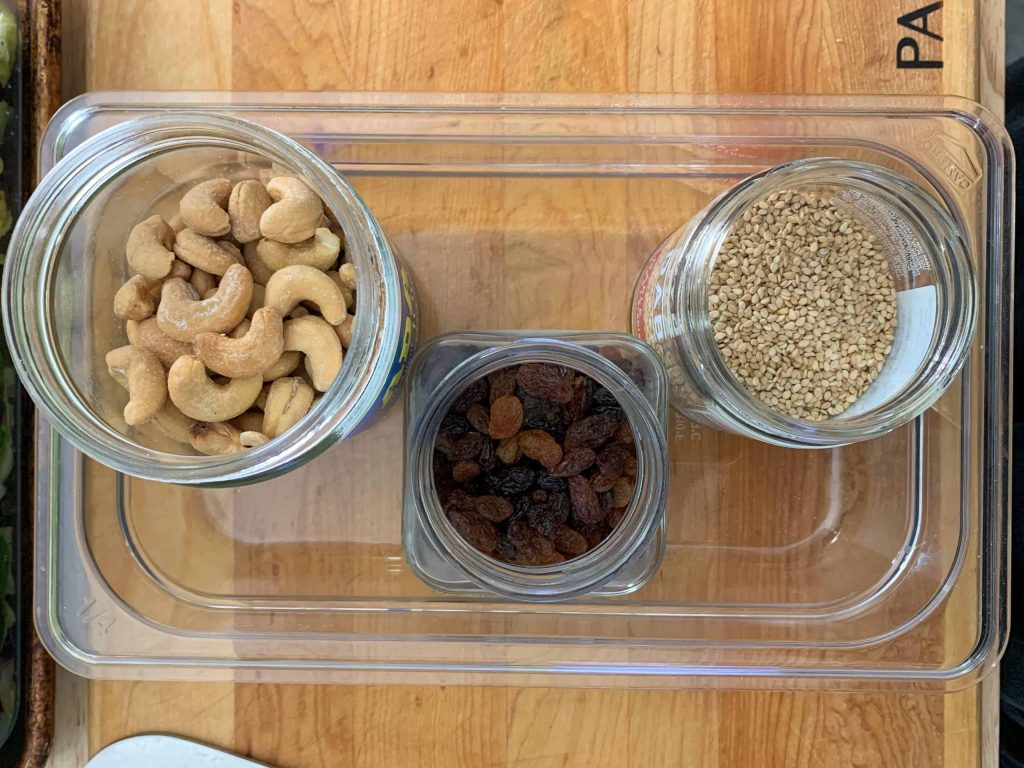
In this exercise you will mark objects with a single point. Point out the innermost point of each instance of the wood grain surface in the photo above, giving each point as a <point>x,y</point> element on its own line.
<point>665,46</point>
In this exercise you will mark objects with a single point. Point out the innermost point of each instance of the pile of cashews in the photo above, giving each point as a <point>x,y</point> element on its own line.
<point>246,282</point>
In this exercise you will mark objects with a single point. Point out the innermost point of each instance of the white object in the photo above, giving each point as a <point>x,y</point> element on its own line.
<point>156,751</point>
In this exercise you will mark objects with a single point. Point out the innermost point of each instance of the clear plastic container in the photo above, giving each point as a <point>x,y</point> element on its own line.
<point>437,552</point>
<point>881,564</point>
<point>936,304</point>
<point>66,260</point>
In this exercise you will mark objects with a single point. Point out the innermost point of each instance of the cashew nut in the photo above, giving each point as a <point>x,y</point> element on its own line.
<point>147,334</point>
<point>289,286</point>
<point>203,208</point>
<point>320,251</point>
<point>288,401</point>
<point>316,339</point>
<point>202,281</point>
<point>176,223</point>
<point>252,439</point>
<point>258,300</point>
<point>347,275</point>
<point>137,299</point>
<point>215,439</point>
<point>286,363</point>
<point>213,256</point>
<point>346,292</point>
<point>296,213</point>
<point>250,421</point>
<point>183,316</point>
<point>261,401</point>
<point>250,355</point>
<point>344,331</point>
<point>199,397</point>
<point>248,201</point>
<point>175,424</point>
<point>179,269</point>
<point>260,271</point>
<point>149,247</point>
<point>139,371</point>
<point>241,329</point>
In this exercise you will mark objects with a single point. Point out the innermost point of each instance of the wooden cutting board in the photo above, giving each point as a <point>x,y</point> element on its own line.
<point>785,46</point>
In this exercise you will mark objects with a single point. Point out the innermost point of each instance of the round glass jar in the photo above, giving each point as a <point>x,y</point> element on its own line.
<point>66,260</point>
<point>936,304</point>
<point>632,551</point>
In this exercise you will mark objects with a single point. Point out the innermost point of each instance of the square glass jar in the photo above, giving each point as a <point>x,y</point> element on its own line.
<point>630,555</point>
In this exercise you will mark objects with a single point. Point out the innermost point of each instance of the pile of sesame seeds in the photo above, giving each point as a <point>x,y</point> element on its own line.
<point>802,305</point>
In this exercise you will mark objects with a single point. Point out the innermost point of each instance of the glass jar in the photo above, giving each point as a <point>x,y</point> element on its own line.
<point>66,260</point>
<point>630,554</point>
<point>936,304</point>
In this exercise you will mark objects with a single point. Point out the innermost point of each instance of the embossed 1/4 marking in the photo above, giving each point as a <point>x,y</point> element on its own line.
<point>97,617</point>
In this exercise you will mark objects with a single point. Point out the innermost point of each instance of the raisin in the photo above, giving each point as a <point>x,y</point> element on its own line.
<point>567,541</point>
<point>549,482</point>
<point>546,381</point>
<point>612,461</point>
<point>600,483</point>
<point>594,536</point>
<point>506,417</point>
<point>474,529</point>
<point>574,462</point>
<point>541,513</point>
<point>604,498</point>
<point>461,500</point>
<point>630,468</point>
<point>622,492</point>
<point>508,450</point>
<point>523,506</point>
<point>464,471</point>
<point>579,405</point>
<point>454,424</point>
<point>478,418</point>
<point>615,516</point>
<point>585,506</point>
<point>501,382</point>
<point>445,444</point>
<point>531,547</point>
<point>538,496</point>
<point>541,414</point>
<point>631,369</point>
<point>467,447</point>
<point>624,434</point>
<point>591,432</point>
<point>602,398</point>
<point>494,508</point>
<point>473,393</point>
<point>540,446</point>
<point>512,481</point>
<point>559,506</point>
<point>487,458</point>
<point>615,410</point>
<point>506,549</point>
<point>443,481</point>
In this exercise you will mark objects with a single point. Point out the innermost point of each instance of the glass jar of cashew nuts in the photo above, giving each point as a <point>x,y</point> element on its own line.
<point>201,300</point>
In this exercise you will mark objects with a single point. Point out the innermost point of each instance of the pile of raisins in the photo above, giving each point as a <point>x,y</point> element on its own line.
<point>535,464</point>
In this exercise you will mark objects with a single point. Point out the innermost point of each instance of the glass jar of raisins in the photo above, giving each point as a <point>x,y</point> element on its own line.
<point>451,412</point>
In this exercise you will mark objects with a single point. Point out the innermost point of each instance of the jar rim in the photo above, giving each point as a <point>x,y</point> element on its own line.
<point>39,244</point>
<point>956,288</point>
<point>576,576</point>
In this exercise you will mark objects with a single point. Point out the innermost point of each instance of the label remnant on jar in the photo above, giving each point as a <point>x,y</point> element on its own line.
<point>553,463</point>
<point>802,305</point>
